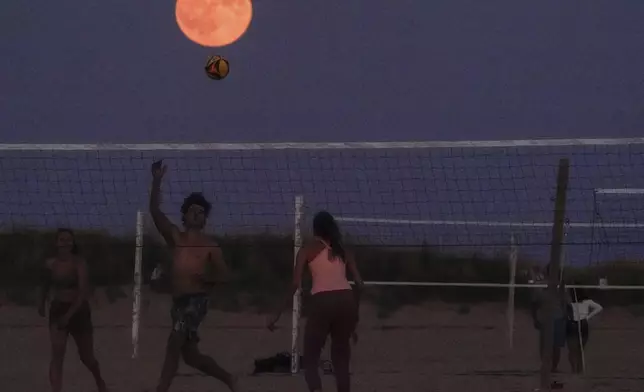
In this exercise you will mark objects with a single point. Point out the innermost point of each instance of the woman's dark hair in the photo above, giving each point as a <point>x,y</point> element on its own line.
<point>62,230</point>
<point>325,227</point>
<point>198,199</point>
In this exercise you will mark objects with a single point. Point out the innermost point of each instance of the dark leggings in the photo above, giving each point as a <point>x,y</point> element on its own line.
<point>575,351</point>
<point>573,328</point>
<point>334,313</point>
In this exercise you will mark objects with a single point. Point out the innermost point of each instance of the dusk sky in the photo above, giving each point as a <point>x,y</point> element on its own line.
<point>121,71</point>
<point>311,70</point>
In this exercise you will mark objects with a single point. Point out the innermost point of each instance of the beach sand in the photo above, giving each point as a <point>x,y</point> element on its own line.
<point>433,347</point>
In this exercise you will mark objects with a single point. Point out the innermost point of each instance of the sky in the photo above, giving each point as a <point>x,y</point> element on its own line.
<point>318,70</point>
<point>365,70</point>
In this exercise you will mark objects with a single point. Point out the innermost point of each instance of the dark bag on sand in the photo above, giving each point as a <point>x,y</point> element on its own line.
<point>279,363</point>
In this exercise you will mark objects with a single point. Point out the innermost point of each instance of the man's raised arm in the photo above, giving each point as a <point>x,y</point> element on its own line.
<point>161,221</point>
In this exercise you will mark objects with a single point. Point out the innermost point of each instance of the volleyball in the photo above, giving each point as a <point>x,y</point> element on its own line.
<point>217,67</point>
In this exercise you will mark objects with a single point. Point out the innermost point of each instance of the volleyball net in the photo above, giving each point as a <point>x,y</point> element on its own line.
<point>455,222</point>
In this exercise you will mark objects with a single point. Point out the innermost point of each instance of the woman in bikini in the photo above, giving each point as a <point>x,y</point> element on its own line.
<point>65,278</point>
<point>334,305</point>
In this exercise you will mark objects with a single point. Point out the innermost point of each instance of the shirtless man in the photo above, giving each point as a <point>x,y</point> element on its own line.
<point>194,256</point>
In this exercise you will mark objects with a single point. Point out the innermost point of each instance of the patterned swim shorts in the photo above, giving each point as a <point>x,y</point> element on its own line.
<point>188,311</point>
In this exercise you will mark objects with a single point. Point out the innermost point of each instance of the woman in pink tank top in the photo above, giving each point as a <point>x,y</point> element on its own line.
<point>333,305</point>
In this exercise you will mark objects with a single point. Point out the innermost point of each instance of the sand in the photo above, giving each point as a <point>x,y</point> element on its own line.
<point>424,348</point>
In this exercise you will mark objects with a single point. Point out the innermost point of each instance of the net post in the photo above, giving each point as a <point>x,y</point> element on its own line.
<point>136,305</point>
<point>512,259</point>
<point>295,326</point>
<point>554,270</point>
<point>580,338</point>
<point>592,231</point>
<point>575,299</point>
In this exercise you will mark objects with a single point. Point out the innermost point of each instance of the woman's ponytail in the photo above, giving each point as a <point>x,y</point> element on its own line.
<point>337,247</point>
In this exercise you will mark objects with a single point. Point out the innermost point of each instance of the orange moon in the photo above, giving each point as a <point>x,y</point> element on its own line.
<point>214,23</point>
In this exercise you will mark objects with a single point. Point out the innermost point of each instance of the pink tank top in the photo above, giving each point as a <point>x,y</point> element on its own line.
<point>329,274</point>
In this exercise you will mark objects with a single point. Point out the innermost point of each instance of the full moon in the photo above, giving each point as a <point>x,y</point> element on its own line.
<point>214,23</point>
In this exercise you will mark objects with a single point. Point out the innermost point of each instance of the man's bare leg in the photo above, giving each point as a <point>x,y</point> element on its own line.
<point>195,359</point>
<point>175,343</point>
